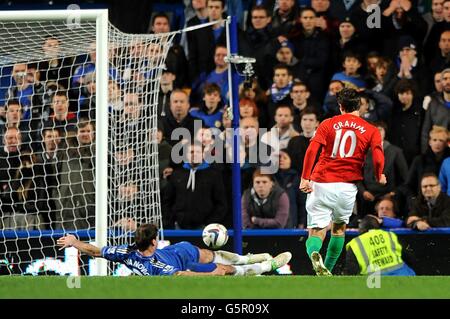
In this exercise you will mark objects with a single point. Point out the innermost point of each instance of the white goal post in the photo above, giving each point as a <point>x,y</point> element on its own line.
<point>72,17</point>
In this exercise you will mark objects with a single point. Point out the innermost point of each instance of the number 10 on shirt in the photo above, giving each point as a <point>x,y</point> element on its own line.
<point>341,140</point>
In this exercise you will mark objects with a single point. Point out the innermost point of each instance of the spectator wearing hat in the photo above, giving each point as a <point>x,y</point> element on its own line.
<point>285,55</point>
<point>409,65</point>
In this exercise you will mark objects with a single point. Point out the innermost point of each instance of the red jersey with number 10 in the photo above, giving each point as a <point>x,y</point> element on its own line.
<point>345,140</point>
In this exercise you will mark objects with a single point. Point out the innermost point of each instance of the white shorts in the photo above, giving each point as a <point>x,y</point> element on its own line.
<point>330,202</point>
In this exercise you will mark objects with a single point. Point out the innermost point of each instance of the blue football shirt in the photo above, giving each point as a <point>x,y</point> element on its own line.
<point>163,262</point>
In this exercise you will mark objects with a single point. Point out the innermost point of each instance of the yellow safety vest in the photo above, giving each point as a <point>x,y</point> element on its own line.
<point>378,249</point>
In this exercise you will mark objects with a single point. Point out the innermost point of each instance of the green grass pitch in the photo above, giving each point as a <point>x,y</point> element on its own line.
<point>261,287</point>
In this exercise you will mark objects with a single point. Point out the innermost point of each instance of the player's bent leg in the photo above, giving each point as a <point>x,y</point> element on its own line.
<point>315,240</point>
<point>229,258</point>
<point>258,258</point>
<point>335,245</point>
<point>263,267</point>
<point>313,246</point>
<point>338,228</point>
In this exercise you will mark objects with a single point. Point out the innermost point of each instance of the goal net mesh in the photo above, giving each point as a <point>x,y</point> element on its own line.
<point>47,140</point>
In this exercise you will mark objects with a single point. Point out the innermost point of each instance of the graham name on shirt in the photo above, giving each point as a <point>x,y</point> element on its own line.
<point>349,124</point>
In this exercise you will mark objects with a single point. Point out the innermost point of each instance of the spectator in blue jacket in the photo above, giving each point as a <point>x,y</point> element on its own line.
<point>444,176</point>
<point>211,109</point>
<point>385,209</point>
<point>375,106</point>
<point>351,63</point>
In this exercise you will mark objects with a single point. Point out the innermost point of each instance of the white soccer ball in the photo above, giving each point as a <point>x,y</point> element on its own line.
<point>215,235</point>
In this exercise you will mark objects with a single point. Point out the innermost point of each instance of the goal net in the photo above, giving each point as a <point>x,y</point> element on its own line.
<point>50,130</point>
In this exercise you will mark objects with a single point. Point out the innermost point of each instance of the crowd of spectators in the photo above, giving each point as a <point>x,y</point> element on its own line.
<point>305,51</point>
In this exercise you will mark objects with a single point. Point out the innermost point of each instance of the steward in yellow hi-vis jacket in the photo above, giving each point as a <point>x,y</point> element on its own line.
<point>375,250</point>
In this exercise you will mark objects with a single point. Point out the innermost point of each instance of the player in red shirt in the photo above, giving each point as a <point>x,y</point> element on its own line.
<point>330,184</point>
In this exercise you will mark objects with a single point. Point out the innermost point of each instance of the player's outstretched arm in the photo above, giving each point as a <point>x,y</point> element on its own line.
<point>72,241</point>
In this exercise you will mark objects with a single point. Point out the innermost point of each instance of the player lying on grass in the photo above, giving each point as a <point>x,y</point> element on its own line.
<point>183,259</point>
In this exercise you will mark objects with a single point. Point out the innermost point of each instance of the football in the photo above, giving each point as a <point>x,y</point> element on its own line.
<point>215,235</point>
